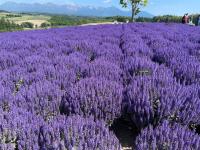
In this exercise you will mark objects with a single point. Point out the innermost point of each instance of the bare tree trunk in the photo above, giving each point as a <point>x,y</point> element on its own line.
<point>132,17</point>
<point>133,12</point>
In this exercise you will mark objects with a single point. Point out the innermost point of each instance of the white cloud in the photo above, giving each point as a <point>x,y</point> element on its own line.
<point>107,1</point>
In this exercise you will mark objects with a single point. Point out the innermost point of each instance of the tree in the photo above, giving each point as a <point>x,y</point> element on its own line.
<point>27,25</point>
<point>44,25</point>
<point>135,6</point>
<point>6,25</point>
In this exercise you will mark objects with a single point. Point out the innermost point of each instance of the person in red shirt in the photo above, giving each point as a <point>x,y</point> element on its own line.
<point>187,18</point>
<point>183,19</point>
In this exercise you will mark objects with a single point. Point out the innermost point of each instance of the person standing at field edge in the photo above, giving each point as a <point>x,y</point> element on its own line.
<point>199,20</point>
<point>185,19</point>
<point>190,21</point>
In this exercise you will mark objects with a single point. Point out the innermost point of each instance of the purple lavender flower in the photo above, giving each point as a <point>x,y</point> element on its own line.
<point>167,136</point>
<point>77,133</point>
<point>95,96</point>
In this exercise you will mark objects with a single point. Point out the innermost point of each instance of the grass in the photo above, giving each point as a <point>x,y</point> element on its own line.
<point>35,22</point>
<point>2,14</point>
<point>30,17</point>
<point>35,19</point>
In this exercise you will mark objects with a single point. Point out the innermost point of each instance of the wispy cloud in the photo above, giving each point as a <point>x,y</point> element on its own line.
<point>107,1</point>
<point>152,3</point>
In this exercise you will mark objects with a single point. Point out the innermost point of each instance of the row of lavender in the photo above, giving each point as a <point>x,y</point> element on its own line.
<point>62,88</point>
<point>53,81</point>
<point>162,69</point>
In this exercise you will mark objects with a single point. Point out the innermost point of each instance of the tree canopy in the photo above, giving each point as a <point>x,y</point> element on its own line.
<point>135,5</point>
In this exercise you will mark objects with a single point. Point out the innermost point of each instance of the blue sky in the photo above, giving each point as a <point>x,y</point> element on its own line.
<point>156,7</point>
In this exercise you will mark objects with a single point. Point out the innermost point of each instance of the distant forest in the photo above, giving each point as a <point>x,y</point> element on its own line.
<point>165,18</point>
<point>61,20</point>
<point>76,20</point>
<point>64,20</point>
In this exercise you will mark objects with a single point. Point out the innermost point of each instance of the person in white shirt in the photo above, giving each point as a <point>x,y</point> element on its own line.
<point>190,22</point>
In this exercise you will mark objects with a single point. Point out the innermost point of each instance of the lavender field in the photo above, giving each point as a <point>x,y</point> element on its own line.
<point>66,89</point>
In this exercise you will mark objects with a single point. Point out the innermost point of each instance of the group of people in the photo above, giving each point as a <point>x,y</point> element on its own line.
<point>188,20</point>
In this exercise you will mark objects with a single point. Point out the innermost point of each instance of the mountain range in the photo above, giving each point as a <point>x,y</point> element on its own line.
<point>68,9</point>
